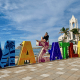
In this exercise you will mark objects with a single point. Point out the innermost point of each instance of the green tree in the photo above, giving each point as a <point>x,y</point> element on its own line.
<point>65,31</point>
<point>76,32</point>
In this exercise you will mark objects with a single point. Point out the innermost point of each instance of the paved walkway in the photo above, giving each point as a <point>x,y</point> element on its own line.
<point>68,69</point>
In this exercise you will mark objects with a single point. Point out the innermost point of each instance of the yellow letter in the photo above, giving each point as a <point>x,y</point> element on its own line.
<point>26,53</point>
<point>78,48</point>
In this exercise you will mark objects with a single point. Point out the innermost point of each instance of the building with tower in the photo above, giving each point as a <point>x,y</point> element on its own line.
<point>73,23</point>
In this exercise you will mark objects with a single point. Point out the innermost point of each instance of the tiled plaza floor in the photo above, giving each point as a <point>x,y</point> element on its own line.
<point>68,69</point>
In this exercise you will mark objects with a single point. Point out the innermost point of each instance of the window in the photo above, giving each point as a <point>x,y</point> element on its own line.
<point>73,36</point>
<point>73,43</point>
<point>73,25</point>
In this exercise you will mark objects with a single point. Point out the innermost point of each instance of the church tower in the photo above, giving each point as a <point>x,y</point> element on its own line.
<point>73,24</point>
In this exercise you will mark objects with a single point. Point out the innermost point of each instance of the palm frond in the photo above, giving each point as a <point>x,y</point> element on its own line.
<point>63,29</point>
<point>61,32</point>
<point>67,29</point>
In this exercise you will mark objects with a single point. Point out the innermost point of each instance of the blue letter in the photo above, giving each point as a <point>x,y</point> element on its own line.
<point>8,56</point>
<point>55,51</point>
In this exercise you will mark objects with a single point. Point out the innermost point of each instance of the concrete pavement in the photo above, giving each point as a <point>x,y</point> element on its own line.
<point>67,69</point>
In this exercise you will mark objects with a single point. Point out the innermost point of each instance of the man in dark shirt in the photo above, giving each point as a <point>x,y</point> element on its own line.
<point>45,38</point>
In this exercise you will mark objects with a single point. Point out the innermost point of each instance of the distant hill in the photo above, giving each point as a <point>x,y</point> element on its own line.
<point>50,46</point>
<point>37,47</point>
<point>19,47</point>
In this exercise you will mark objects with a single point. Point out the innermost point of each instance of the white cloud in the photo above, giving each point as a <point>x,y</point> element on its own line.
<point>75,9</point>
<point>36,10</point>
<point>12,39</point>
<point>7,33</point>
<point>6,29</point>
<point>31,37</point>
<point>36,16</point>
<point>7,5</point>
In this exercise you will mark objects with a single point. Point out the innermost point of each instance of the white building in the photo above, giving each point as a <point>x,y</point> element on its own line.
<point>73,23</point>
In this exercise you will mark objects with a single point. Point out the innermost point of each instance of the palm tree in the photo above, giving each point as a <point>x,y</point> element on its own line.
<point>76,32</point>
<point>79,34</point>
<point>65,31</point>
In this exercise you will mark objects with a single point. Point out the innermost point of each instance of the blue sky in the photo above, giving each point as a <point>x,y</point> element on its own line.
<point>28,20</point>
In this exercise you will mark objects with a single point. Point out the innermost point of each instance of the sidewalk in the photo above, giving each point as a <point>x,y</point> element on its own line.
<point>68,69</point>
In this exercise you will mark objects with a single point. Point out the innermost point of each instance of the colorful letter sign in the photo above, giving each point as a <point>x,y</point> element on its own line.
<point>41,57</point>
<point>71,53</point>
<point>55,51</point>
<point>64,46</point>
<point>78,48</point>
<point>8,55</point>
<point>26,53</point>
